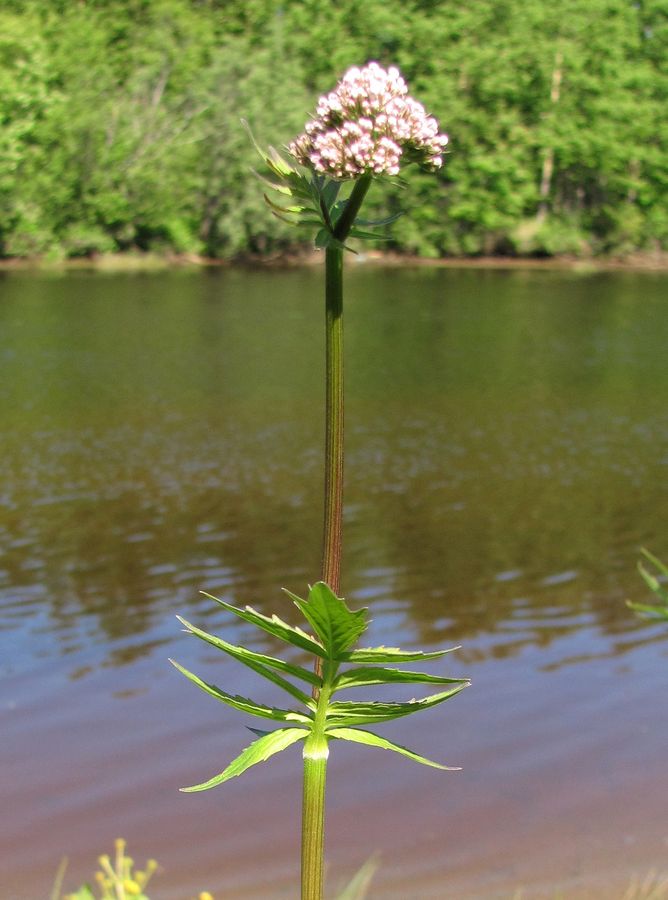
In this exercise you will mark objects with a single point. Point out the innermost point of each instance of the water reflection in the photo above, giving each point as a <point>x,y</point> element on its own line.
<point>162,436</point>
<point>161,440</point>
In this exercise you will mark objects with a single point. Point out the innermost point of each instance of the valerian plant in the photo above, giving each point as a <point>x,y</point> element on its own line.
<point>366,129</point>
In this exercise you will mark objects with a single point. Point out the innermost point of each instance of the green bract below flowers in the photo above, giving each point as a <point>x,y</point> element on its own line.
<point>321,719</point>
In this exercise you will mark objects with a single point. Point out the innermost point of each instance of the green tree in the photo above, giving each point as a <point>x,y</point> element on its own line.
<point>120,120</point>
<point>24,100</point>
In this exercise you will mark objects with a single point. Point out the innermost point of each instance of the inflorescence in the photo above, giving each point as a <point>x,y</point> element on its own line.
<point>369,124</point>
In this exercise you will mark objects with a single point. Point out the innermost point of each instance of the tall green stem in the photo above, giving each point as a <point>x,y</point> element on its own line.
<point>313,827</point>
<point>315,750</point>
<point>331,539</point>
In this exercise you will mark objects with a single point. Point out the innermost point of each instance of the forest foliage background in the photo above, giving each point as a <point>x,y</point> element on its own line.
<point>120,121</point>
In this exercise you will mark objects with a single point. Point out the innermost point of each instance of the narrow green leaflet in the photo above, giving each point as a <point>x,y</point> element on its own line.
<point>247,656</point>
<point>391,655</point>
<point>323,238</point>
<point>656,586</point>
<point>293,210</point>
<point>649,611</point>
<point>374,740</point>
<point>662,567</point>
<point>278,164</point>
<point>368,235</point>
<point>329,192</point>
<point>303,215</point>
<point>243,703</point>
<point>275,626</point>
<point>652,581</point>
<point>337,210</point>
<point>291,182</point>
<point>273,160</point>
<point>347,713</point>
<point>367,675</point>
<point>259,751</point>
<point>274,185</point>
<point>337,626</point>
<point>376,223</point>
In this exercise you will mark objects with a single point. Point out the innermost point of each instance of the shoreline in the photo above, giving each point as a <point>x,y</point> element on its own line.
<point>150,262</point>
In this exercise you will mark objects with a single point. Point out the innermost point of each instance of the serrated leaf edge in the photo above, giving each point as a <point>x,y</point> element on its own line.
<point>259,662</point>
<point>371,739</point>
<point>245,704</point>
<point>293,734</point>
<point>291,634</point>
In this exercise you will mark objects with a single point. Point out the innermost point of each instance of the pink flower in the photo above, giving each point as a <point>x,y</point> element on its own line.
<point>369,124</point>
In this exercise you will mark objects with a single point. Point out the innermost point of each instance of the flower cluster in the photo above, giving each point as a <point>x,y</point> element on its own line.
<point>368,124</point>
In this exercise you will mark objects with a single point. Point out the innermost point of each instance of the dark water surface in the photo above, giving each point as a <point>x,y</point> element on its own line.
<point>507,456</point>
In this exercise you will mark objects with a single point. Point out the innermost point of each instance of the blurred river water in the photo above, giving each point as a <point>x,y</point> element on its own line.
<point>507,456</point>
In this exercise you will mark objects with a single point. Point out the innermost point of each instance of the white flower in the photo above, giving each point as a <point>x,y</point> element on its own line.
<point>369,124</point>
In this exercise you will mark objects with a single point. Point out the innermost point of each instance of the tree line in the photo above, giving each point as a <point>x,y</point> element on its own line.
<point>120,121</point>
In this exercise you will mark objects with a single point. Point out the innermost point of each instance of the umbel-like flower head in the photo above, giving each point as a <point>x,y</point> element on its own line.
<point>369,125</point>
